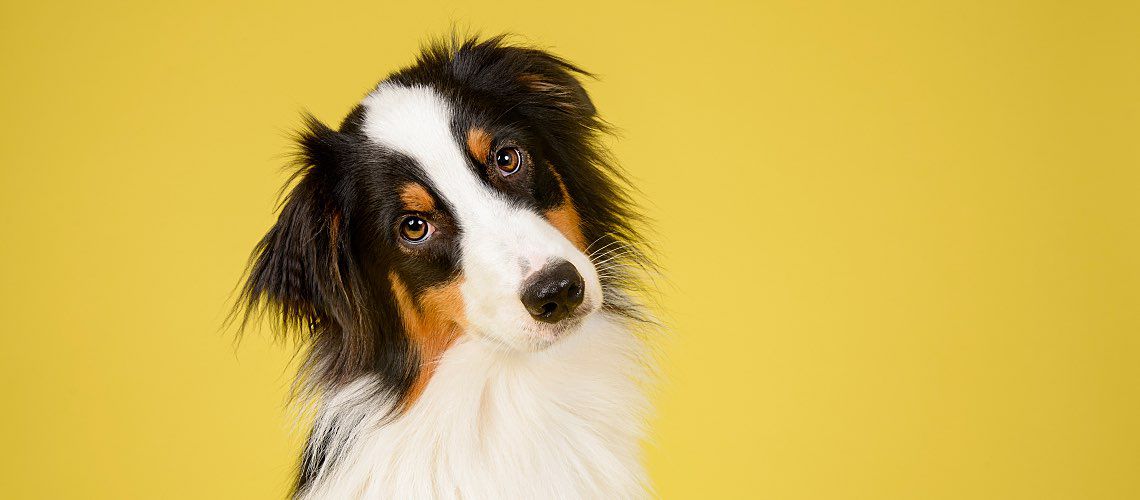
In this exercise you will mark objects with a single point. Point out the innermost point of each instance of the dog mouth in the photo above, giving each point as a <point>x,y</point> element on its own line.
<point>548,334</point>
<point>538,336</point>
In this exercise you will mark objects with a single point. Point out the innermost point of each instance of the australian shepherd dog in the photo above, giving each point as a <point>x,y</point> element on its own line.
<point>461,263</point>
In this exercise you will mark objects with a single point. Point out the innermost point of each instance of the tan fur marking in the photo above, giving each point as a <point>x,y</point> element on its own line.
<point>565,217</point>
<point>416,198</point>
<point>538,84</point>
<point>432,325</point>
<point>561,94</point>
<point>479,143</point>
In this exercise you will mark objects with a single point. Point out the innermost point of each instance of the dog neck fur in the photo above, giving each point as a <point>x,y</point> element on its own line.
<point>494,422</point>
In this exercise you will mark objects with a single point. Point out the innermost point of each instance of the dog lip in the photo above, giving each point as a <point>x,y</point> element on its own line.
<point>541,336</point>
<point>571,323</point>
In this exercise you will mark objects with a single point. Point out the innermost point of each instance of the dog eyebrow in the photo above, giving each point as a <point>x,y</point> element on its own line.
<point>416,198</point>
<point>478,143</point>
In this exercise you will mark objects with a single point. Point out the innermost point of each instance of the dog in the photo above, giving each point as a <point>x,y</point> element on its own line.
<point>461,262</point>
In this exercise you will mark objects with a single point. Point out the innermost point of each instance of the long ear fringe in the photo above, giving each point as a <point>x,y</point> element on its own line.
<point>302,276</point>
<point>300,273</point>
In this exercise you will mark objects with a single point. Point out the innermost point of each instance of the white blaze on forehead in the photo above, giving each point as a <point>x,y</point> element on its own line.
<point>416,121</point>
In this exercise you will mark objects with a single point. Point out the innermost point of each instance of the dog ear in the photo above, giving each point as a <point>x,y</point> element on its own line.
<point>300,271</point>
<point>553,82</point>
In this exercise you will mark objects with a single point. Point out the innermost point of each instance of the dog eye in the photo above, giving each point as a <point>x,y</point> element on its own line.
<point>415,229</point>
<point>508,160</point>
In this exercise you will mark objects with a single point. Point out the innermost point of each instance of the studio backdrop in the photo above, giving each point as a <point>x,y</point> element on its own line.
<point>899,240</point>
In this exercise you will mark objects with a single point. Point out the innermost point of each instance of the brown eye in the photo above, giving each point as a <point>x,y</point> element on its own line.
<point>414,229</point>
<point>508,160</point>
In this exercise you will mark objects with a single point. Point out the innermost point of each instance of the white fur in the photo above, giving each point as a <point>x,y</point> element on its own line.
<point>515,409</point>
<point>565,422</point>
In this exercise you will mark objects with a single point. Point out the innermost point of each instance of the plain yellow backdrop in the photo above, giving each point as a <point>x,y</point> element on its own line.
<point>902,237</point>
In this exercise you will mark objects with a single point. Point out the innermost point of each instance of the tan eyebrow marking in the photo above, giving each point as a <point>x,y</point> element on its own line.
<point>416,198</point>
<point>479,143</point>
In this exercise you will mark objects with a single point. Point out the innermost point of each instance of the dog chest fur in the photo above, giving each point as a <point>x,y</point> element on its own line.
<point>493,422</point>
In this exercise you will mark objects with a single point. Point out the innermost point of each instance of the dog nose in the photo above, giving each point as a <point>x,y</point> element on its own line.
<point>553,292</point>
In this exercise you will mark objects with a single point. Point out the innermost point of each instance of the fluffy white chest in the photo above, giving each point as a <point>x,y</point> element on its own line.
<point>565,422</point>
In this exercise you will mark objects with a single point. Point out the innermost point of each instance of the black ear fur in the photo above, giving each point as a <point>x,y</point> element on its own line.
<point>301,270</point>
<point>510,73</point>
<point>555,80</point>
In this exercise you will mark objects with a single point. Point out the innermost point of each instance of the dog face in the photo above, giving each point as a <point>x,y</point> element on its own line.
<point>460,197</point>
<point>484,205</point>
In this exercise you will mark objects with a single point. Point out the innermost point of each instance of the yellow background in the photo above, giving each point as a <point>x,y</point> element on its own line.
<point>902,238</point>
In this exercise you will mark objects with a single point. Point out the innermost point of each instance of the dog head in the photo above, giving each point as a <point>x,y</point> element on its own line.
<point>463,196</point>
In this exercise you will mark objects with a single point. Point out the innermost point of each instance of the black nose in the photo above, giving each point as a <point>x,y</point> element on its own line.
<point>553,292</point>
